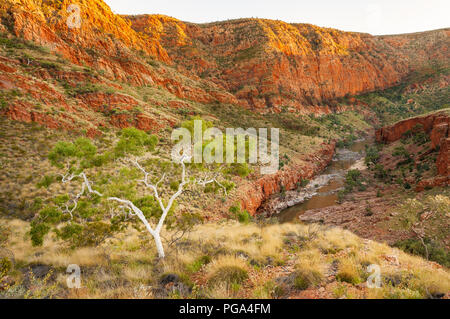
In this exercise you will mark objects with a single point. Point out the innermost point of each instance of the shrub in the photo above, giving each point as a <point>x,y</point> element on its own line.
<point>229,270</point>
<point>135,142</point>
<point>372,155</point>
<point>5,266</point>
<point>229,274</point>
<point>242,216</point>
<point>46,181</point>
<point>37,233</point>
<point>199,263</point>
<point>436,252</point>
<point>381,173</point>
<point>240,169</point>
<point>401,152</point>
<point>306,279</point>
<point>348,272</point>
<point>353,179</point>
<point>174,185</point>
<point>82,148</point>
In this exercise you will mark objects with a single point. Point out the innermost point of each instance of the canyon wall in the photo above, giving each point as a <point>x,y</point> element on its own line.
<point>269,65</point>
<point>263,65</point>
<point>252,194</point>
<point>437,126</point>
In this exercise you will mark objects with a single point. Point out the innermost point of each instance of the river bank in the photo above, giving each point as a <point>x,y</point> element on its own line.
<point>322,190</point>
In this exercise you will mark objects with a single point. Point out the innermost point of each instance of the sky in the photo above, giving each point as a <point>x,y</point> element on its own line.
<point>371,16</point>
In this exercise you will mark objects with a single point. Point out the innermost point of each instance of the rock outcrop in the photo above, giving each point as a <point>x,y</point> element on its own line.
<point>437,126</point>
<point>251,195</point>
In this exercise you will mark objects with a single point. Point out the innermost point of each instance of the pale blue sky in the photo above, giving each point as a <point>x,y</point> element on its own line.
<point>372,16</point>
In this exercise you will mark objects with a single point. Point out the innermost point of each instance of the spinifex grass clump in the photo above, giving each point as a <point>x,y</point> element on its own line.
<point>227,270</point>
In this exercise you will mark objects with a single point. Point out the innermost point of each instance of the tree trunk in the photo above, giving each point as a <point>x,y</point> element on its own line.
<point>159,245</point>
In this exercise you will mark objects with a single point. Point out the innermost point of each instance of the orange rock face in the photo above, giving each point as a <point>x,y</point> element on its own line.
<point>260,64</point>
<point>437,126</point>
<point>443,160</point>
<point>252,195</point>
<point>267,64</point>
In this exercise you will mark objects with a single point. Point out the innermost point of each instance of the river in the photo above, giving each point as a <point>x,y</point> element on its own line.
<point>328,183</point>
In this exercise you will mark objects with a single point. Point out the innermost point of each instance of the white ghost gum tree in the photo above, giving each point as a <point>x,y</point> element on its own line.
<point>82,155</point>
<point>131,208</point>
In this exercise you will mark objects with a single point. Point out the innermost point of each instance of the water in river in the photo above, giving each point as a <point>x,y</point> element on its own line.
<point>334,174</point>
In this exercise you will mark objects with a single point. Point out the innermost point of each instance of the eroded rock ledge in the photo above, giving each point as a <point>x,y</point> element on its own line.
<point>253,194</point>
<point>437,126</point>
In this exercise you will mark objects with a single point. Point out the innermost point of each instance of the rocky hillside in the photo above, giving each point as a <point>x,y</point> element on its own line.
<point>147,70</point>
<point>433,127</point>
<point>272,64</point>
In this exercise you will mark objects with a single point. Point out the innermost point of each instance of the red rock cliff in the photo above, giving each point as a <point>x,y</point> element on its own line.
<point>251,195</point>
<point>437,125</point>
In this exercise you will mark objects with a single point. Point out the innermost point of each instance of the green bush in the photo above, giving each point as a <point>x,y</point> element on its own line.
<point>240,169</point>
<point>5,266</point>
<point>352,180</point>
<point>242,216</point>
<point>372,155</point>
<point>37,233</point>
<point>46,181</point>
<point>436,251</point>
<point>82,148</point>
<point>199,263</point>
<point>135,142</point>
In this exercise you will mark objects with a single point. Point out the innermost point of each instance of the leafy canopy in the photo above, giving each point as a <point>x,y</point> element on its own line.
<point>82,148</point>
<point>135,142</point>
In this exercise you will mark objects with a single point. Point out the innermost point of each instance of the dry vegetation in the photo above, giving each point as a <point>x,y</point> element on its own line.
<point>225,260</point>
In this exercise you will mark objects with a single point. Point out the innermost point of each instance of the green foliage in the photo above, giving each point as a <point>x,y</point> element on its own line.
<point>5,232</point>
<point>102,159</point>
<point>82,149</point>
<point>149,206</point>
<point>372,155</point>
<point>381,173</point>
<point>50,65</point>
<point>88,235</point>
<point>305,279</point>
<point>37,233</point>
<point>400,151</point>
<point>189,125</point>
<point>5,267</point>
<point>352,180</point>
<point>197,264</point>
<point>240,169</point>
<point>391,105</point>
<point>135,142</point>
<point>436,252</point>
<point>351,278</point>
<point>347,141</point>
<point>174,185</point>
<point>50,215</point>
<point>242,216</point>
<point>46,181</point>
<point>69,231</point>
